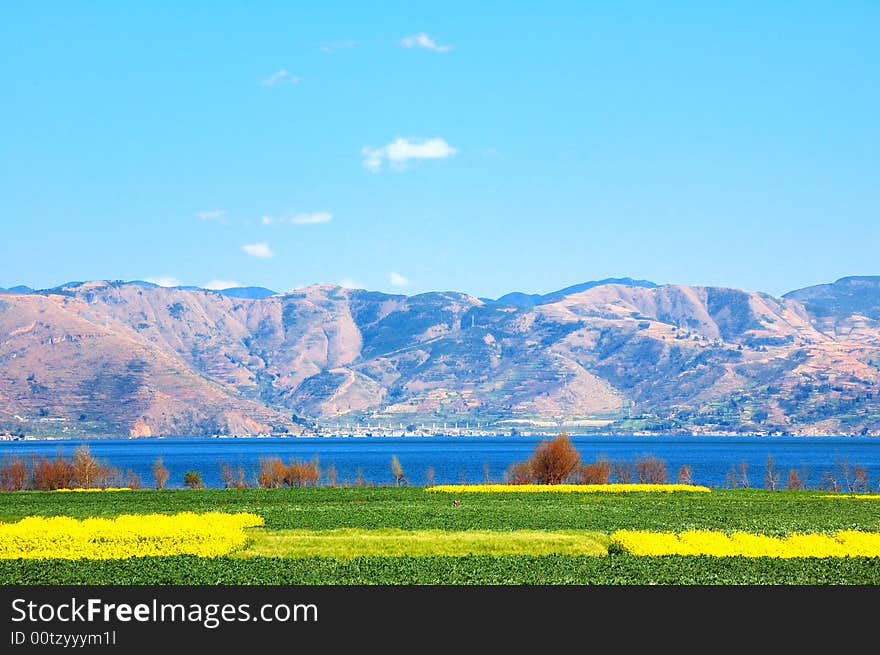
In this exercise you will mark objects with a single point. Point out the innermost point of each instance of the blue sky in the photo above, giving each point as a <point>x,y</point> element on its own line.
<point>482,147</point>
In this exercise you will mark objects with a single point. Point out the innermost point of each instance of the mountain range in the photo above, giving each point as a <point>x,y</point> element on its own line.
<point>614,356</point>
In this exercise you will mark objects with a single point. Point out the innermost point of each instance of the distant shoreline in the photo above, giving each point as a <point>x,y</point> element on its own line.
<point>417,437</point>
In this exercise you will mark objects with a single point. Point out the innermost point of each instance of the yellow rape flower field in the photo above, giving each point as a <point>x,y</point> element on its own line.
<point>714,543</point>
<point>130,535</point>
<point>87,489</point>
<point>566,488</point>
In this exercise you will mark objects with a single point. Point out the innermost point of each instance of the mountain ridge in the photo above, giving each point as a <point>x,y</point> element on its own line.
<point>520,299</point>
<point>621,356</point>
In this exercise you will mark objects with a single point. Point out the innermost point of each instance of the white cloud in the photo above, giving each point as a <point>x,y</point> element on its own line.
<point>349,283</point>
<point>164,281</point>
<point>315,218</point>
<point>211,214</point>
<point>373,158</point>
<point>258,250</point>
<point>422,40</point>
<point>280,77</point>
<point>219,285</point>
<point>398,280</point>
<point>333,46</point>
<point>401,150</point>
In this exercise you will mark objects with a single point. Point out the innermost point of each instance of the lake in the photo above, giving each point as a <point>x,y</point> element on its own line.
<point>468,459</point>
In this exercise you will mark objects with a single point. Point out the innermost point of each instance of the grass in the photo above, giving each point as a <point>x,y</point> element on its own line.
<point>348,543</point>
<point>410,508</point>
<point>480,569</point>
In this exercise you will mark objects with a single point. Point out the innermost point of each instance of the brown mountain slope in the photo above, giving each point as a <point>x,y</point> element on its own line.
<point>124,357</point>
<point>62,362</point>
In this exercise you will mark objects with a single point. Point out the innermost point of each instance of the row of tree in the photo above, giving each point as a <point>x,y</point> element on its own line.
<point>80,471</point>
<point>83,471</point>
<point>554,461</point>
<point>557,460</point>
<point>852,478</point>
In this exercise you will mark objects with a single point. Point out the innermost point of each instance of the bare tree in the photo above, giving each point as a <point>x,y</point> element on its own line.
<point>771,475</point>
<point>50,474</point>
<point>861,483</point>
<point>519,473</point>
<point>397,471</point>
<point>744,474</point>
<point>242,482</point>
<point>109,476</point>
<point>852,478</point>
<point>830,482</point>
<point>684,475</point>
<point>160,473</point>
<point>272,473</point>
<point>86,469</point>
<point>599,472</point>
<point>302,474</point>
<point>804,475</point>
<point>233,478</point>
<point>845,474</point>
<point>132,479</point>
<point>227,475</point>
<point>651,470</point>
<point>622,472</point>
<point>331,475</point>
<point>14,473</point>
<point>731,480</point>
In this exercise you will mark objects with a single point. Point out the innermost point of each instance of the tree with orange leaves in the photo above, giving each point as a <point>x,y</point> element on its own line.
<point>555,460</point>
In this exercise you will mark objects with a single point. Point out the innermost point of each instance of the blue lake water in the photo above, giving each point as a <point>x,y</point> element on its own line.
<point>467,459</point>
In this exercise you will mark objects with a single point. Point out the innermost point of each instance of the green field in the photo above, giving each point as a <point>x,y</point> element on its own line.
<point>352,536</point>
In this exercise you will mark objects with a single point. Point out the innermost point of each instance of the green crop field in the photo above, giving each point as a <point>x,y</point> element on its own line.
<point>407,536</point>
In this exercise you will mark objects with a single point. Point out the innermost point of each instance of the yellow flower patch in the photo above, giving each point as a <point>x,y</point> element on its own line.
<point>844,543</point>
<point>129,535</point>
<point>566,488</point>
<point>97,489</point>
